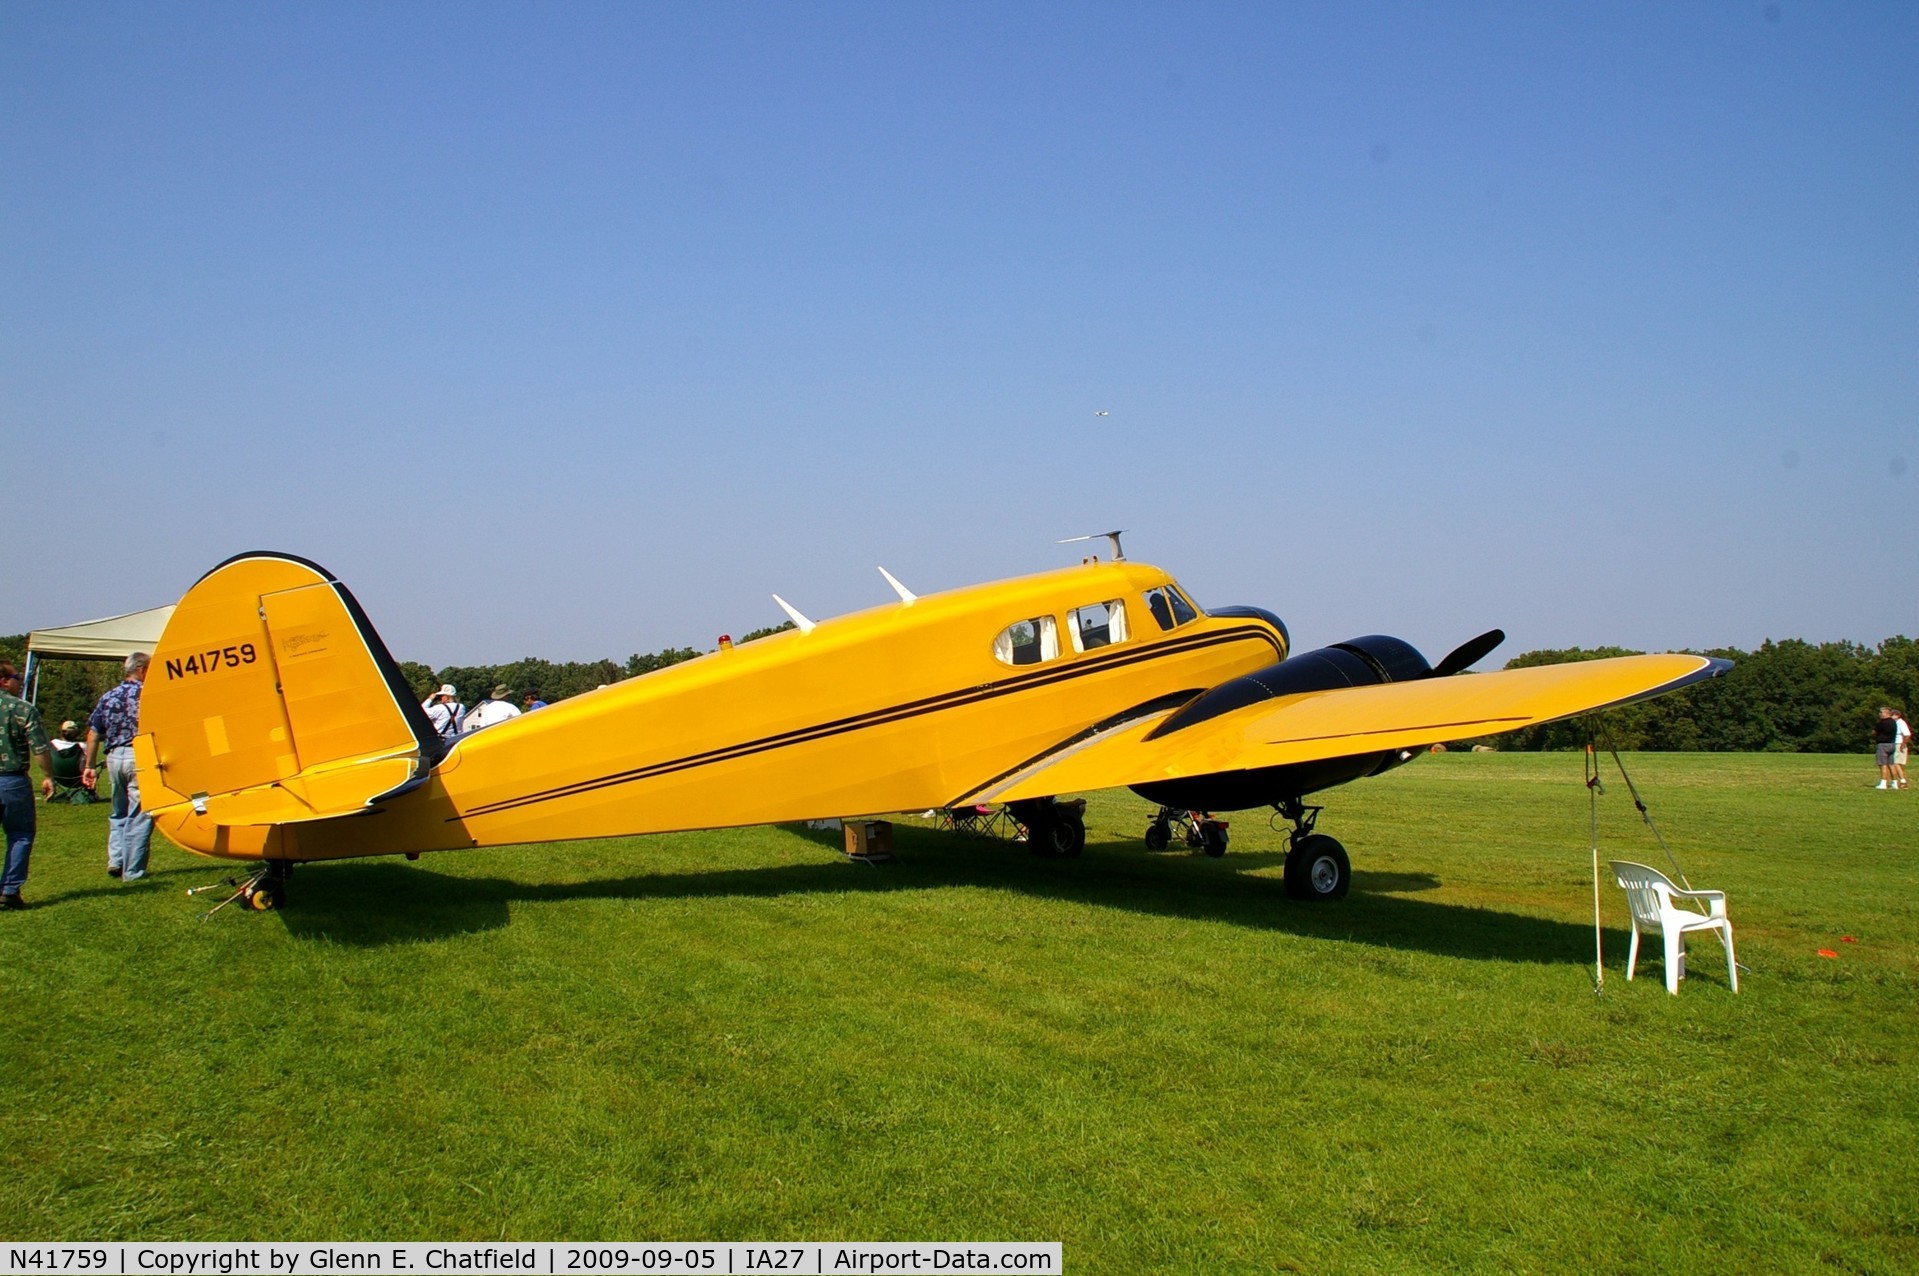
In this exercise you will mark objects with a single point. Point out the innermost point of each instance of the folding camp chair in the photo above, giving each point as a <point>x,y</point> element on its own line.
<point>64,763</point>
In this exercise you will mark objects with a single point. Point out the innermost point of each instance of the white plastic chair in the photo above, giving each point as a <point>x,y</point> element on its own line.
<point>1651,894</point>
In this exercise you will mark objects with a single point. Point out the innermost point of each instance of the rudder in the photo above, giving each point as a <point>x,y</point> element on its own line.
<point>271,700</point>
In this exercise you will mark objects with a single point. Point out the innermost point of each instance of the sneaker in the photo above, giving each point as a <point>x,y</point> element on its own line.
<point>113,871</point>
<point>12,901</point>
<point>1880,785</point>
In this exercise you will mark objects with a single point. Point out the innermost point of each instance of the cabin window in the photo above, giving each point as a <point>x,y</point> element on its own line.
<point>1028,642</point>
<point>1169,607</point>
<point>1097,624</point>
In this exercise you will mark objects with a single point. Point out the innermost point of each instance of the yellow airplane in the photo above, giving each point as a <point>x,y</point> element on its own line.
<point>276,727</point>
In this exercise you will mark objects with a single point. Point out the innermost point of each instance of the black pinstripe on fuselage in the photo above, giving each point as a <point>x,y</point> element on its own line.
<point>1120,657</point>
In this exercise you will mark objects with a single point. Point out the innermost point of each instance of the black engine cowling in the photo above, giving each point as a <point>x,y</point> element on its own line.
<point>1363,662</point>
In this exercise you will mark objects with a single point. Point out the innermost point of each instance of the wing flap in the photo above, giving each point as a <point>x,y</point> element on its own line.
<point>1351,720</point>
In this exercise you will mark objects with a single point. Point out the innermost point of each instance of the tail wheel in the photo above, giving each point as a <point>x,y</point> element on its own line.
<point>268,889</point>
<point>1317,869</point>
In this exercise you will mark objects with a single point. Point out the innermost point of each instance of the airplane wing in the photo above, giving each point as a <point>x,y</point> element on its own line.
<point>1315,725</point>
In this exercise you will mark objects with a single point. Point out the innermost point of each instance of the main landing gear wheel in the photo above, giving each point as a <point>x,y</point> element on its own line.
<point>1069,832</point>
<point>1158,836</point>
<point>1317,868</point>
<point>1052,828</point>
<point>1212,838</point>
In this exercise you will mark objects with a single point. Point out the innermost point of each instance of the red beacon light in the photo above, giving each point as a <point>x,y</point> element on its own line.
<point>726,642</point>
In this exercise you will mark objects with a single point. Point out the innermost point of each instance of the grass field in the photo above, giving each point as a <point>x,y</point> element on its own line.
<point>1155,1058</point>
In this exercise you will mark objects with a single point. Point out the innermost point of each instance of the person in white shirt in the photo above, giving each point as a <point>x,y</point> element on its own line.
<point>444,711</point>
<point>1901,743</point>
<point>497,708</point>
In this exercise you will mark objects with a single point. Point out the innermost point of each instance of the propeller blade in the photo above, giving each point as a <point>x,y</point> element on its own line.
<point>1468,654</point>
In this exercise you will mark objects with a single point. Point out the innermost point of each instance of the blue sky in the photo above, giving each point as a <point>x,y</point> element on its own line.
<point>577,330</point>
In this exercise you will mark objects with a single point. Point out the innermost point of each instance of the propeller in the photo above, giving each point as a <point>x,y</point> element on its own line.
<point>1119,555</point>
<point>1468,653</point>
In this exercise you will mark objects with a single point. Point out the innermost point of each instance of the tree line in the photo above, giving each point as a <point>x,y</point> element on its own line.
<point>1789,696</point>
<point>70,688</point>
<point>546,679</point>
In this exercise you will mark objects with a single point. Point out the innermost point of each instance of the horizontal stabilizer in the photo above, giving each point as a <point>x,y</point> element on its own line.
<point>1315,725</point>
<point>271,700</point>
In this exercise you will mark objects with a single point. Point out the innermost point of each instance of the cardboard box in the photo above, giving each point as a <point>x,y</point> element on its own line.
<point>869,839</point>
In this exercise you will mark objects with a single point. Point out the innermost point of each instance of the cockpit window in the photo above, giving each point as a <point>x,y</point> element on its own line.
<point>1028,642</point>
<point>1169,607</point>
<point>1097,624</point>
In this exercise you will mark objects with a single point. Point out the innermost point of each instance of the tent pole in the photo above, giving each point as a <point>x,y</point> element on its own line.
<point>30,678</point>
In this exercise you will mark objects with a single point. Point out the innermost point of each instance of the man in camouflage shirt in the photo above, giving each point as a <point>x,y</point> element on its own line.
<point>21,737</point>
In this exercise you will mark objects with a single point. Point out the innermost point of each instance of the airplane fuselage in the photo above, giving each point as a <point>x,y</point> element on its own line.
<point>903,707</point>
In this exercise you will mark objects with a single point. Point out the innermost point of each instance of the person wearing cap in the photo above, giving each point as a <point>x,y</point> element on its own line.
<point>444,710</point>
<point>498,708</point>
<point>113,724</point>
<point>64,764</point>
<point>21,738</point>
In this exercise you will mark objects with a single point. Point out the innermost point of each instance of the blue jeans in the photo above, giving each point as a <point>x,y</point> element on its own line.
<point>129,829</point>
<point>17,816</point>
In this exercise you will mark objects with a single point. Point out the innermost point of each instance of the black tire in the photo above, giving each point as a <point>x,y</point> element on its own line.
<point>1051,829</point>
<point>1212,838</point>
<point>1158,836</point>
<point>1069,833</point>
<point>1317,869</point>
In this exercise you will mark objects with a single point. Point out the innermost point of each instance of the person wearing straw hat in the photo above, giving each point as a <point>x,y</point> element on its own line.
<point>498,708</point>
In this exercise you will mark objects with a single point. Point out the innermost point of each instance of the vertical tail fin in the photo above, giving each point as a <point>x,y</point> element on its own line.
<point>270,699</point>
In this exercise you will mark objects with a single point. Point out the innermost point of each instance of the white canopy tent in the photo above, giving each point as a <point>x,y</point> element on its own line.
<point>114,638</point>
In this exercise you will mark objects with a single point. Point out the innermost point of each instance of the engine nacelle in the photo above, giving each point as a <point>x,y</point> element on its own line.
<point>1363,662</point>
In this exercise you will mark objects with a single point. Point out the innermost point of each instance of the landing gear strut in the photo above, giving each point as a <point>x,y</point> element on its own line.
<point>1316,865</point>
